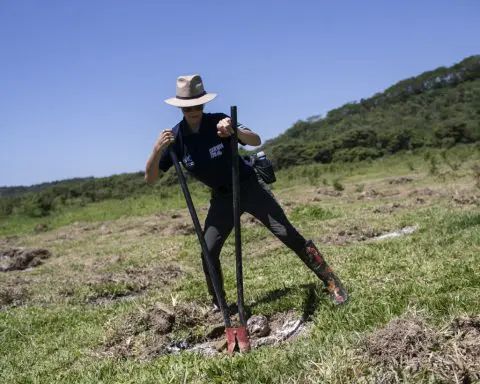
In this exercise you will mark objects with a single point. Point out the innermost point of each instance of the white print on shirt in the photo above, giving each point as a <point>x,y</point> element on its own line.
<point>189,163</point>
<point>216,150</point>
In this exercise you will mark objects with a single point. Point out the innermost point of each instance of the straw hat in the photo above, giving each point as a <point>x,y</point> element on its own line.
<point>190,92</point>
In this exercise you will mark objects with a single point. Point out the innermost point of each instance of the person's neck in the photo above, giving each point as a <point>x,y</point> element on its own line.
<point>193,127</point>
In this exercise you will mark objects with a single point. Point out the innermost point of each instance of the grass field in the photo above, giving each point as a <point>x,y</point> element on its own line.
<point>85,315</point>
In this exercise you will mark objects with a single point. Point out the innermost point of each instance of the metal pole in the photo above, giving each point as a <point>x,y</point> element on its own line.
<point>236,217</point>
<point>203,244</point>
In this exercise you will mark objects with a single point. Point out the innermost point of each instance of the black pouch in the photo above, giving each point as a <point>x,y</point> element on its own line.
<point>264,168</point>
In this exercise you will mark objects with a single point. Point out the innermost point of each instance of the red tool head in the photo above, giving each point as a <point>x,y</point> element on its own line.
<point>237,339</point>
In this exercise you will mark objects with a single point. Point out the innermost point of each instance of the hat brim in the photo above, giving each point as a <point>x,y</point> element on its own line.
<point>191,102</point>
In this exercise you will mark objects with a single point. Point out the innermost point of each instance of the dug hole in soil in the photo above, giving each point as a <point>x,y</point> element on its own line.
<point>158,330</point>
<point>410,344</point>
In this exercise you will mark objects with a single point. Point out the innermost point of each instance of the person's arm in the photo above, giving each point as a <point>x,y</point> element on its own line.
<point>245,135</point>
<point>152,169</point>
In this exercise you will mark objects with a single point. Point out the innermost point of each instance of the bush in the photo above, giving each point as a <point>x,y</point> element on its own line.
<point>337,185</point>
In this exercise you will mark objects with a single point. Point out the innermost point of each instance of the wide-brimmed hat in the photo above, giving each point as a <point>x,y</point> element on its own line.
<point>190,92</point>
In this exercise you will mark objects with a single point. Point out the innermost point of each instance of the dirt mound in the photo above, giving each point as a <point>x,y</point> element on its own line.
<point>409,345</point>
<point>15,259</point>
<point>370,194</point>
<point>139,334</point>
<point>170,228</point>
<point>388,208</point>
<point>466,199</point>
<point>458,359</point>
<point>422,192</point>
<point>402,340</point>
<point>157,330</point>
<point>179,229</point>
<point>328,192</point>
<point>400,180</point>
<point>352,234</point>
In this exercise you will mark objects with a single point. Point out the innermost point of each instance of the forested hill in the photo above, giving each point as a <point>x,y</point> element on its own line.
<point>437,108</point>
<point>18,190</point>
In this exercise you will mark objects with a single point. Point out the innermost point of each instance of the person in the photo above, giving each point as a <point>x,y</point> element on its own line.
<point>201,142</point>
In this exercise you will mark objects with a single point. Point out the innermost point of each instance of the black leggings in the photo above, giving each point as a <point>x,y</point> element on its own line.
<point>256,199</point>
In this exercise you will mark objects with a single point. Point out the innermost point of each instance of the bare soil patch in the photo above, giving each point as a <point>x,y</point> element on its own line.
<point>159,330</point>
<point>14,293</point>
<point>112,287</point>
<point>400,180</point>
<point>177,224</point>
<point>373,194</point>
<point>370,194</point>
<point>389,208</point>
<point>409,344</point>
<point>329,192</point>
<point>365,233</point>
<point>466,199</point>
<point>248,221</point>
<point>170,223</point>
<point>178,229</point>
<point>15,259</point>
<point>352,234</point>
<point>422,192</point>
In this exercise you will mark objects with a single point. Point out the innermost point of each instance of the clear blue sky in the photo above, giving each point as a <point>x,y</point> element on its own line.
<point>82,82</point>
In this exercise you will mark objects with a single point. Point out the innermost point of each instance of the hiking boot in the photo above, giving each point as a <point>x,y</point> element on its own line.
<point>314,260</point>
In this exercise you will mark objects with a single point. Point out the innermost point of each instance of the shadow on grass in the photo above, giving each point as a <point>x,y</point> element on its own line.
<point>310,301</point>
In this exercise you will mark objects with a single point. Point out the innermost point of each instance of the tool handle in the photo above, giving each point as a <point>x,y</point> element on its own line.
<point>198,229</point>
<point>236,216</point>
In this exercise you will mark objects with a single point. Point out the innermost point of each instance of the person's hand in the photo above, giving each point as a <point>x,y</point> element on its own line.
<point>224,127</point>
<point>164,140</point>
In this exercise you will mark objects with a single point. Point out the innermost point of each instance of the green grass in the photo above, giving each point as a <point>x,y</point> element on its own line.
<point>172,199</point>
<point>56,336</point>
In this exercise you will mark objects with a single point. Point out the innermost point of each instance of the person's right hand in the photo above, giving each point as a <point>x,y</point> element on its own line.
<point>164,140</point>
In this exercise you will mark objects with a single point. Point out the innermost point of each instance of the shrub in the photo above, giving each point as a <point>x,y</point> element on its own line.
<point>337,185</point>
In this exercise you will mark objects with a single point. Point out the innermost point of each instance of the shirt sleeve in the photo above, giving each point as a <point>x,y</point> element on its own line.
<point>165,161</point>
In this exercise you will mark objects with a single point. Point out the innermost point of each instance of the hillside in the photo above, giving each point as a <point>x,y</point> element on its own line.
<point>439,108</point>
<point>114,292</point>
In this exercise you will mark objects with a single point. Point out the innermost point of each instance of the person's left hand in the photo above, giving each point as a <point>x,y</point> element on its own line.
<point>224,127</point>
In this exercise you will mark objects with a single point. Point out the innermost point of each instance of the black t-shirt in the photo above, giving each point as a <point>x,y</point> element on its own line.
<point>205,155</point>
